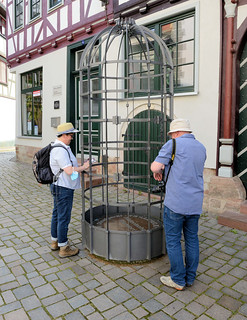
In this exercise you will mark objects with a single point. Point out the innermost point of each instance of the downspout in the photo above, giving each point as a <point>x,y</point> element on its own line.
<point>226,142</point>
<point>230,13</point>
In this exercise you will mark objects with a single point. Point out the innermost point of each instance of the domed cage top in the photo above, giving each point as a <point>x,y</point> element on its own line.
<point>126,105</point>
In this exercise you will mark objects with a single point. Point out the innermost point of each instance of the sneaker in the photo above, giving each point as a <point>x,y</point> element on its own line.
<point>67,251</point>
<point>167,281</point>
<point>54,245</point>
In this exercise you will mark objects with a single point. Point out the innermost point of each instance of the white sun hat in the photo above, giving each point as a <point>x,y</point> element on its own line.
<point>180,125</point>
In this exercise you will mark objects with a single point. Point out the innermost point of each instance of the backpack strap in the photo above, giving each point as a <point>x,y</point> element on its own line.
<point>56,176</point>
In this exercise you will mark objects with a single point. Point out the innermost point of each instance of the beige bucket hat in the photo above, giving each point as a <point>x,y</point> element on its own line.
<point>180,125</point>
<point>65,128</point>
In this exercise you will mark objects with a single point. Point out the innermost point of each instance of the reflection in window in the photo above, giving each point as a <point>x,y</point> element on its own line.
<point>34,9</point>
<point>178,34</point>
<point>31,84</point>
<point>54,3</point>
<point>139,72</point>
<point>18,13</point>
<point>94,97</point>
<point>2,26</point>
<point>94,55</point>
<point>3,70</point>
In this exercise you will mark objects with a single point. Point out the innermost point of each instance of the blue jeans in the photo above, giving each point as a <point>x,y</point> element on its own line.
<point>61,215</point>
<point>174,223</point>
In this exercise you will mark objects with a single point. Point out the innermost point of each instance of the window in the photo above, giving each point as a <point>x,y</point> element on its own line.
<point>18,13</point>
<point>179,35</point>
<point>94,54</point>
<point>138,72</point>
<point>54,3</point>
<point>31,94</point>
<point>2,26</point>
<point>3,70</point>
<point>34,9</point>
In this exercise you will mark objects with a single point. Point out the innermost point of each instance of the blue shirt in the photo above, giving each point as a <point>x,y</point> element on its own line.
<point>59,158</point>
<point>184,189</point>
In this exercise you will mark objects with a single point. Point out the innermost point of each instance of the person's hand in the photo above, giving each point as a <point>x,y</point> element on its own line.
<point>86,165</point>
<point>157,176</point>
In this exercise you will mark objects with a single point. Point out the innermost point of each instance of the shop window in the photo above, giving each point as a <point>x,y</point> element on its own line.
<point>31,93</point>
<point>3,70</point>
<point>18,13</point>
<point>35,9</point>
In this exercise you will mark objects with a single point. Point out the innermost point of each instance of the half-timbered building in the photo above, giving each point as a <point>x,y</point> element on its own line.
<point>7,89</point>
<point>207,41</point>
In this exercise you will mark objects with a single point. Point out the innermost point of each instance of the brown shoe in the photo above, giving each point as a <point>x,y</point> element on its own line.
<point>54,245</point>
<point>66,251</point>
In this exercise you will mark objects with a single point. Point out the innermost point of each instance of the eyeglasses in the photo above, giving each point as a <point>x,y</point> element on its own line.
<point>70,134</point>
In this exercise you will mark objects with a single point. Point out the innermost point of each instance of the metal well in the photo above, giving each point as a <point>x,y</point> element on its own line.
<point>126,71</point>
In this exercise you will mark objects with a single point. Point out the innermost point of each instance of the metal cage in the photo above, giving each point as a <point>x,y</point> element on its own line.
<point>126,103</point>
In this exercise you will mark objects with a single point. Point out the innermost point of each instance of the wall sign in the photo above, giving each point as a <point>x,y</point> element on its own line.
<point>56,104</point>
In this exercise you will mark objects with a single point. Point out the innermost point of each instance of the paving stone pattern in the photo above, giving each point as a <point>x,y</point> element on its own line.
<point>36,284</point>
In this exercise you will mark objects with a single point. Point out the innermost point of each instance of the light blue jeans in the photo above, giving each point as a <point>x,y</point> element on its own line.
<point>61,215</point>
<point>182,272</point>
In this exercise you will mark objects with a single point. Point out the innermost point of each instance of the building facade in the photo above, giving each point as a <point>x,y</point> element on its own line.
<point>7,89</point>
<point>207,41</point>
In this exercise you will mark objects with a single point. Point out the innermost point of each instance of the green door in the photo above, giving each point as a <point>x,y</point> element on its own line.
<point>242,125</point>
<point>137,150</point>
<point>73,101</point>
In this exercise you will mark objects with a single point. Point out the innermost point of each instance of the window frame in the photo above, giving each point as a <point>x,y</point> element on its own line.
<point>31,4</point>
<point>2,19</point>
<point>4,61</point>
<point>20,14</point>
<point>157,26</point>
<point>30,91</point>
<point>51,6</point>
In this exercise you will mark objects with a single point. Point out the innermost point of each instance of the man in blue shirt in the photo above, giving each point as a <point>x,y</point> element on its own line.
<point>183,201</point>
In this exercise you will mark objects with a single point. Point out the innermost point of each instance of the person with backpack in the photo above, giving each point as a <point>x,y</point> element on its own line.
<point>65,168</point>
<point>183,201</point>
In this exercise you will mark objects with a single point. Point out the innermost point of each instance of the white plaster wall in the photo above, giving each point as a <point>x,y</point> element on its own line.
<point>7,119</point>
<point>54,75</point>
<point>242,14</point>
<point>94,8</point>
<point>201,107</point>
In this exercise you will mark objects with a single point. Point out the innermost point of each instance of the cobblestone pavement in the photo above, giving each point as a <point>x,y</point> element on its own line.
<point>36,284</point>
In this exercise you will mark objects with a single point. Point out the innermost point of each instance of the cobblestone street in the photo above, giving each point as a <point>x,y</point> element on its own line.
<point>36,284</point>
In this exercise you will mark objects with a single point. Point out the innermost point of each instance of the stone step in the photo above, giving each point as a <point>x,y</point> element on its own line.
<point>233,220</point>
<point>95,181</point>
<point>243,207</point>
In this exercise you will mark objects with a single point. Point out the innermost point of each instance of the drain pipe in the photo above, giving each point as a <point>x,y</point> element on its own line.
<point>226,143</point>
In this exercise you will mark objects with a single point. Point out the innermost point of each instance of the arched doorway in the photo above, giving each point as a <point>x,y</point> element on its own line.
<point>136,148</point>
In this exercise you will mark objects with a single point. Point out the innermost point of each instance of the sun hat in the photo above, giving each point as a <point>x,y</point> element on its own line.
<point>180,125</point>
<point>66,128</point>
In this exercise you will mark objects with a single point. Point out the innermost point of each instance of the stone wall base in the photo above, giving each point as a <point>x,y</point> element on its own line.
<point>25,153</point>
<point>224,194</point>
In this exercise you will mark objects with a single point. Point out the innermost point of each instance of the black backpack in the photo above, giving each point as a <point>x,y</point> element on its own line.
<point>41,165</point>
